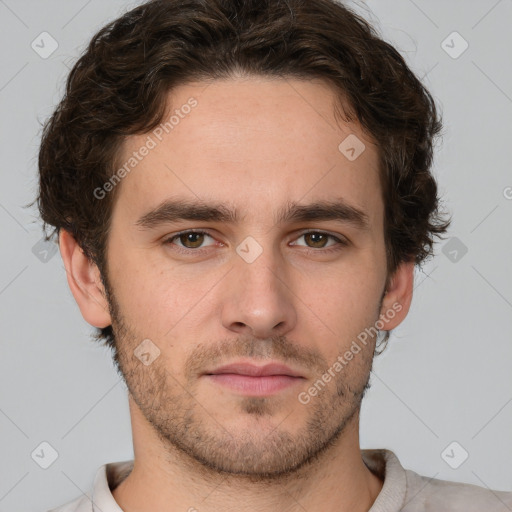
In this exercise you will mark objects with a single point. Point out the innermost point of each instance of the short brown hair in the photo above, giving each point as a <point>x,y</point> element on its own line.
<point>119,86</point>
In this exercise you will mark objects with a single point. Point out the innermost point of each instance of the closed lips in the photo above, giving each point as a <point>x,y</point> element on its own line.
<point>255,371</point>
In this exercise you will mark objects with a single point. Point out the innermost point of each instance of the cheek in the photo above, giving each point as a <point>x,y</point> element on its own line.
<point>148,300</point>
<point>343,293</point>
<point>343,303</point>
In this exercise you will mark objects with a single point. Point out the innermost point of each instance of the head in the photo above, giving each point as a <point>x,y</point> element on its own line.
<point>300,146</point>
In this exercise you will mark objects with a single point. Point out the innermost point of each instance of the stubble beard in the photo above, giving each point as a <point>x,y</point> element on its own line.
<point>265,452</point>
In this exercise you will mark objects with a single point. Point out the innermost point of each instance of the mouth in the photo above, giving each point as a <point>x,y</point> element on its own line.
<point>252,380</point>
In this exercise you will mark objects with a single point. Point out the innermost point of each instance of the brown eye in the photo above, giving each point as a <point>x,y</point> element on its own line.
<point>317,239</point>
<point>191,240</point>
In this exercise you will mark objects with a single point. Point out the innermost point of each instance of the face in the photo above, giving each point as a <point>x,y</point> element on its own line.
<point>280,283</point>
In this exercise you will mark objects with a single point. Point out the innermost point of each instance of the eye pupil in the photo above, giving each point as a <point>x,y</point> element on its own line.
<point>189,238</point>
<point>322,237</point>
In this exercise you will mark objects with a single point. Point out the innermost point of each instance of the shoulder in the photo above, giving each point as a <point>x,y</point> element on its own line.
<point>82,504</point>
<point>108,476</point>
<point>433,495</point>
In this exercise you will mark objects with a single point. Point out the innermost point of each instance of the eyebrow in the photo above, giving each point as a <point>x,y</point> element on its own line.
<point>173,210</point>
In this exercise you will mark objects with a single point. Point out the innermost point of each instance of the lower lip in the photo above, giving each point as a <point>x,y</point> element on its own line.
<point>255,386</point>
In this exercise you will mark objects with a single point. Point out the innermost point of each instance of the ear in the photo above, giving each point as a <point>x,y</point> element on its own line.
<point>397,299</point>
<point>84,280</point>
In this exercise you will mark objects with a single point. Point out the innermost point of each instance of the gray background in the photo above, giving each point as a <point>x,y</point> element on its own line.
<point>446,375</point>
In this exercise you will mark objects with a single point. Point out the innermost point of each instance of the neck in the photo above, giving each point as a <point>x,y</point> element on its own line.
<point>164,479</point>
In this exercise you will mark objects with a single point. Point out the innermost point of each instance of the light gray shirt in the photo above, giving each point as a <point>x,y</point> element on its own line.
<point>403,490</point>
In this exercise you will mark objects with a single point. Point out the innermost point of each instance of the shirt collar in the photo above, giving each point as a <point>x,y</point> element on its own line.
<point>387,466</point>
<point>107,478</point>
<point>382,462</point>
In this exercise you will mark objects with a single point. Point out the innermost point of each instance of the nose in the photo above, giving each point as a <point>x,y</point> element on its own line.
<point>259,299</point>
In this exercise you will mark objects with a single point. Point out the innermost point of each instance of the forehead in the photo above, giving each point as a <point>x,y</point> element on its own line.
<point>255,142</point>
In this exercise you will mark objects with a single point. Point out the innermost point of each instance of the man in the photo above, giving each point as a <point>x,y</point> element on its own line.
<point>241,191</point>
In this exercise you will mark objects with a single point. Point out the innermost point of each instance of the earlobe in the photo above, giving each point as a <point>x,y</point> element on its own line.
<point>397,299</point>
<point>84,281</point>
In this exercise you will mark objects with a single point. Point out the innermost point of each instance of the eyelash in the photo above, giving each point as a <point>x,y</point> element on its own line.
<point>340,243</point>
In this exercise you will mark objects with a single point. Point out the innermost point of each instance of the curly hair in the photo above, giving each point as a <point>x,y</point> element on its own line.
<point>119,86</point>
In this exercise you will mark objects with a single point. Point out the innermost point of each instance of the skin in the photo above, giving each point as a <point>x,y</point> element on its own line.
<point>253,144</point>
